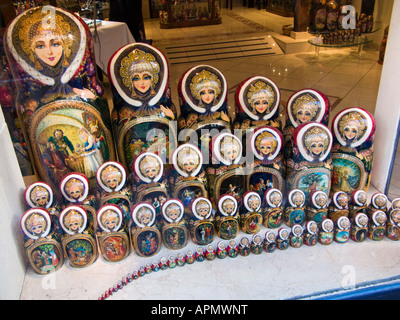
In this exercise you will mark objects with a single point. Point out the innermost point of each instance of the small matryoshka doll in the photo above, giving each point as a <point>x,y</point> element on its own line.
<point>339,206</point>
<point>225,173</point>
<point>379,202</point>
<point>317,209</point>
<point>393,225</point>
<point>311,233</point>
<point>377,225</point>
<point>282,239</point>
<point>256,244</point>
<point>257,104</point>
<point>269,242</point>
<point>265,164</point>
<point>251,213</point>
<point>359,227</point>
<point>174,229</point>
<point>325,235</point>
<point>221,250</point>
<point>296,236</point>
<point>203,95</point>
<point>112,233</point>
<point>358,203</point>
<point>201,221</point>
<point>41,242</point>
<point>112,178</point>
<point>60,101</point>
<point>143,108</point>
<point>232,249</point>
<point>227,221</point>
<point>244,246</point>
<point>75,190</point>
<point>189,180</point>
<point>273,209</point>
<point>150,181</point>
<point>342,230</point>
<point>309,165</point>
<point>210,253</point>
<point>352,152</point>
<point>145,234</point>
<point>295,208</point>
<point>78,240</point>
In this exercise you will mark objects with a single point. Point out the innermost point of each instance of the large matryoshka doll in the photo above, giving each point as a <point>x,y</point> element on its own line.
<point>265,168</point>
<point>225,174</point>
<point>189,180</point>
<point>309,167</point>
<point>65,118</point>
<point>353,150</point>
<point>257,104</point>
<point>142,103</point>
<point>203,95</point>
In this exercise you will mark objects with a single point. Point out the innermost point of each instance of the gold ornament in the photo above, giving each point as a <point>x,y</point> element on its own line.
<point>205,79</point>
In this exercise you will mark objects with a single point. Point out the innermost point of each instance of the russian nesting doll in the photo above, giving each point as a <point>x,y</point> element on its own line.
<point>78,240</point>
<point>201,221</point>
<point>311,233</point>
<point>393,225</point>
<point>42,244</point>
<point>379,202</point>
<point>203,96</point>
<point>175,233</point>
<point>352,152</point>
<point>282,240</point>
<point>269,242</point>
<point>251,218</point>
<point>358,203</point>
<point>189,180</point>
<point>339,206</point>
<point>273,209</point>
<point>145,231</point>
<point>227,221</point>
<point>265,167</point>
<point>295,208</point>
<point>256,245</point>
<point>112,180</point>
<point>221,250</point>
<point>143,109</point>
<point>359,227</point>
<point>325,235</point>
<point>225,173</point>
<point>317,208</point>
<point>60,101</point>
<point>342,230</point>
<point>377,225</point>
<point>150,180</point>
<point>232,249</point>
<point>296,236</point>
<point>112,233</point>
<point>309,167</point>
<point>244,246</point>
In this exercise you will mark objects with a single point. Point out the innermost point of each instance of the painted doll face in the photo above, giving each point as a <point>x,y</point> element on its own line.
<point>266,147</point>
<point>350,132</point>
<point>75,192</point>
<point>321,200</point>
<point>303,115</point>
<point>145,219</point>
<point>49,48</point>
<point>317,147</point>
<point>362,198</point>
<point>41,200</point>
<point>110,224</point>
<point>151,171</point>
<point>254,203</point>
<point>342,200</point>
<point>261,105</point>
<point>298,199</point>
<point>203,210</point>
<point>380,201</point>
<point>112,181</point>
<point>230,152</point>
<point>207,95</point>
<point>74,225</point>
<point>142,81</point>
<point>188,165</point>
<point>37,229</point>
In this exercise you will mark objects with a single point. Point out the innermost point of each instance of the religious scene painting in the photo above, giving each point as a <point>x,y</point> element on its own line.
<point>317,181</point>
<point>346,175</point>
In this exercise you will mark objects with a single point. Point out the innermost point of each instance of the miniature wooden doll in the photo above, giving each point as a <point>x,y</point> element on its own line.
<point>377,225</point>
<point>358,203</point>
<point>78,241</point>
<point>143,108</point>
<point>145,233</point>
<point>112,233</point>
<point>171,262</point>
<point>295,208</point>
<point>273,209</point>
<point>379,202</point>
<point>317,209</point>
<point>282,240</point>
<point>203,93</point>
<point>227,221</point>
<point>256,245</point>
<point>180,259</point>
<point>232,249</point>
<point>359,227</point>
<point>338,206</point>
<point>325,235</point>
<point>257,104</point>
<point>221,250</point>
<point>201,221</point>
<point>311,233</point>
<point>210,253</point>
<point>296,236</point>
<point>200,255</point>
<point>352,151</point>
<point>244,246</point>
<point>189,179</point>
<point>251,213</point>
<point>150,181</point>
<point>60,101</point>
<point>342,230</point>
<point>393,225</point>
<point>269,242</point>
<point>190,257</point>
<point>175,233</point>
<point>225,174</point>
<point>265,167</point>
<point>395,204</point>
<point>41,242</point>
<point>112,180</point>
<point>309,164</point>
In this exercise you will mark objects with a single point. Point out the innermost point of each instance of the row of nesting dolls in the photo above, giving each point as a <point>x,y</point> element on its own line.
<point>67,124</point>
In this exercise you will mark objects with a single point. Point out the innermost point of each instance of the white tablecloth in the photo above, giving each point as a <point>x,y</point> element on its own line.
<point>110,37</point>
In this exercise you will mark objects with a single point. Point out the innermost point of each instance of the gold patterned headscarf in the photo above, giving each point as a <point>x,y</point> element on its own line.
<point>353,120</point>
<point>266,135</point>
<point>314,135</point>
<point>308,103</point>
<point>35,220</point>
<point>205,79</point>
<point>260,90</point>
